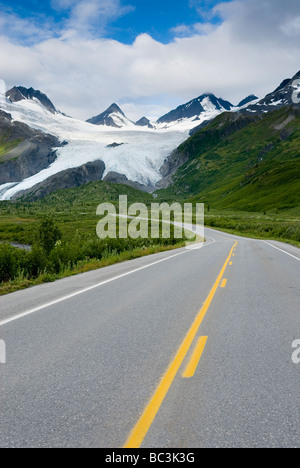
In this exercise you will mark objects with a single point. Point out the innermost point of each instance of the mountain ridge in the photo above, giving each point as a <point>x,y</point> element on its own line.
<point>282,96</point>
<point>113,116</point>
<point>141,152</point>
<point>241,161</point>
<point>195,107</point>
<point>18,93</point>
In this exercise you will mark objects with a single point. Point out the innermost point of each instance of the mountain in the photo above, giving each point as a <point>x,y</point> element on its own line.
<point>116,178</point>
<point>284,95</point>
<point>247,100</point>
<point>144,122</point>
<point>37,143</point>
<point>69,178</point>
<point>134,152</point>
<point>197,109</point>
<point>240,161</point>
<point>18,93</point>
<point>23,150</point>
<point>112,117</point>
<point>197,113</point>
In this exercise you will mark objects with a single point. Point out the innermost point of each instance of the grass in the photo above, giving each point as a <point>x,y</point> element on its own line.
<point>5,147</point>
<point>268,226</point>
<point>74,210</point>
<point>74,213</point>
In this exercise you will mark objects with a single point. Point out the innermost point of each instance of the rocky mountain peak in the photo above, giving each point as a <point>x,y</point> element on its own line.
<point>287,94</point>
<point>206,103</point>
<point>19,93</point>
<point>113,116</point>
<point>144,122</point>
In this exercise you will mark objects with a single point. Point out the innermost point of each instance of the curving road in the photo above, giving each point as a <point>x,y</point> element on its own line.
<point>189,348</point>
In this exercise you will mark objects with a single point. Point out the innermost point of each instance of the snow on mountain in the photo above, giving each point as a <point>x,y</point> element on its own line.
<point>284,95</point>
<point>184,118</point>
<point>112,117</point>
<point>248,100</point>
<point>193,113</point>
<point>137,150</point>
<point>139,158</point>
<point>19,93</point>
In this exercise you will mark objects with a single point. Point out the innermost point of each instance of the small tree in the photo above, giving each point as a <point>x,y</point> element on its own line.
<point>48,234</point>
<point>8,263</point>
<point>36,261</point>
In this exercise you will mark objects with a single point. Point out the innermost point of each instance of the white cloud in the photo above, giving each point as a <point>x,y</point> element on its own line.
<point>20,29</point>
<point>62,4</point>
<point>204,8</point>
<point>255,47</point>
<point>87,16</point>
<point>184,30</point>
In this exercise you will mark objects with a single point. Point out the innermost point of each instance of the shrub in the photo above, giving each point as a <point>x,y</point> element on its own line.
<point>36,262</point>
<point>48,234</point>
<point>8,262</point>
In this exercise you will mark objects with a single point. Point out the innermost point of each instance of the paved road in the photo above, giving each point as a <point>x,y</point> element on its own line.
<point>86,355</point>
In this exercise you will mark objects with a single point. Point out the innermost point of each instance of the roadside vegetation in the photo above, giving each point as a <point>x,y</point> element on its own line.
<point>61,231</point>
<point>284,227</point>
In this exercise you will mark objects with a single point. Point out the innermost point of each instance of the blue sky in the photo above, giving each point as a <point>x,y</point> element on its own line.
<point>158,18</point>
<point>149,56</point>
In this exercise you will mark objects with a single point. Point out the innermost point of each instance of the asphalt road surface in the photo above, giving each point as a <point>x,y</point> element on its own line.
<point>159,352</point>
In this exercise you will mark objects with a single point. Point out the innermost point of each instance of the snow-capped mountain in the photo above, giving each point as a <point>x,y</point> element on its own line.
<point>144,122</point>
<point>19,93</point>
<point>112,117</point>
<point>197,111</point>
<point>185,117</point>
<point>248,100</point>
<point>193,113</point>
<point>133,151</point>
<point>195,108</point>
<point>284,95</point>
<point>129,151</point>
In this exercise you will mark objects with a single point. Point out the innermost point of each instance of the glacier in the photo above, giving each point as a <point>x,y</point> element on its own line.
<point>139,158</point>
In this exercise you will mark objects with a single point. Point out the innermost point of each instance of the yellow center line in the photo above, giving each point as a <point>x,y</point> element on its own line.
<point>224,282</point>
<point>144,423</point>
<point>196,356</point>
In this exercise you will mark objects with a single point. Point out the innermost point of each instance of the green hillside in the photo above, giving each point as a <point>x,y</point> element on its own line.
<point>6,146</point>
<point>248,163</point>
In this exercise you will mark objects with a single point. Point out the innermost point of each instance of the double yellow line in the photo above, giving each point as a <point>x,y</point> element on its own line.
<point>141,428</point>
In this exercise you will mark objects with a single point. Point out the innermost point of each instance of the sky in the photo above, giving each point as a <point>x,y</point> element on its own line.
<point>149,56</point>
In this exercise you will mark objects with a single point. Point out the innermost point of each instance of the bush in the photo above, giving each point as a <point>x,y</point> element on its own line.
<point>48,234</point>
<point>36,262</point>
<point>8,262</point>
<point>51,257</point>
